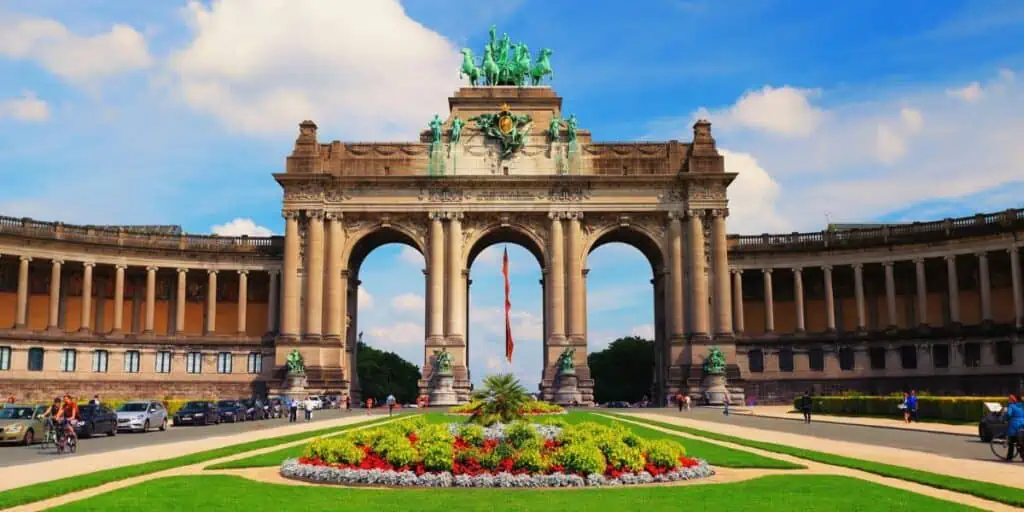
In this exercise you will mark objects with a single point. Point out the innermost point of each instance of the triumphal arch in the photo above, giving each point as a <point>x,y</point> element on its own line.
<point>506,164</point>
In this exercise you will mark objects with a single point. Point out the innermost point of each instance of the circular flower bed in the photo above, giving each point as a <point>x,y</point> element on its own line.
<point>530,408</point>
<point>519,454</point>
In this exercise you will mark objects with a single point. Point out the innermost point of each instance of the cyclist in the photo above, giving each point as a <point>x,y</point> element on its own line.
<point>51,415</point>
<point>69,413</point>
<point>1014,426</point>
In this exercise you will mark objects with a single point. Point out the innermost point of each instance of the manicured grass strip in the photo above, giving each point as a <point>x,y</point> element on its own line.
<point>716,455</point>
<point>47,490</point>
<point>995,492</point>
<point>772,493</point>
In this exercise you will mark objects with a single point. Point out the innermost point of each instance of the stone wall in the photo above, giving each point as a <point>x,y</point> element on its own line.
<point>46,390</point>
<point>784,391</point>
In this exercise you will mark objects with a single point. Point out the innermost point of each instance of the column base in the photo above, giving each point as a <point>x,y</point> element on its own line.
<point>147,332</point>
<point>287,338</point>
<point>312,338</point>
<point>53,329</point>
<point>116,333</point>
<point>84,330</point>
<point>700,337</point>
<point>725,336</point>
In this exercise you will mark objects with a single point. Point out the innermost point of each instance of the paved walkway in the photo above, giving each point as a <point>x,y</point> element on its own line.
<point>786,412</point>
<point>995,472</point>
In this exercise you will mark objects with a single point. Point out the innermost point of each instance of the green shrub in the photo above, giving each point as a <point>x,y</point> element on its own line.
<point>505,450</point>
<point>625,457</point>
<point>531,460</point>
<point>520,433</point>
<point>467,454</point>
<point>473,434</point>
<point>953,408</point>
<point>554,421</point>
<point>437,456</point>
<point>585,458</point>
<point>334,451</point>
<point>664,453</point>
<point>435,434</point>
<point>403,455</point>
<point>414,424</point>
<point>489,460</point>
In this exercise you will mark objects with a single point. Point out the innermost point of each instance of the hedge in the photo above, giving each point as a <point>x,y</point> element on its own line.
<point>953,408</point>
<point>172,405</point>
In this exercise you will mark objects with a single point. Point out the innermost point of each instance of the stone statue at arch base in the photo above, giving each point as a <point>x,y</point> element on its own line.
<point>566,390</point>
<point>294,385</point>
<point>442,381</point>
<point>714,387</point>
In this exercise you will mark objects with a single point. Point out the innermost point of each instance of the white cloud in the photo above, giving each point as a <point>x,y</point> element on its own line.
<point>889,145</point>
<point>364,298</point>
<point>73,57</point>
<point>411,256</point>
<point>364,68</point>
<point>785,111</point>
<point>408,303</point>
<point>27,108</point>
<point>912,119</point>
<point>752,197</point>
<point>970,93</point>
<point>645,331</point>
<point>239,227</point>
<point>403,334</point>
<point>489,323</point>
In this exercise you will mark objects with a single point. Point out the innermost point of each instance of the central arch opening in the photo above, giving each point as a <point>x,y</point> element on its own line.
<point>485,337</point>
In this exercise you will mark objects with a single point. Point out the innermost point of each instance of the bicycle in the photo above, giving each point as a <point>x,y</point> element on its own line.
<point>1000,447</point>
<point>51,436</point>
<point>66,442</point>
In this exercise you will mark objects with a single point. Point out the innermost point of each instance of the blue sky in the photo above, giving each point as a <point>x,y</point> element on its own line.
<point>178,112</point>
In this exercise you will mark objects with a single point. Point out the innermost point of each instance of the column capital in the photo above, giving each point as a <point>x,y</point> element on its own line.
<point>554,215</point>
<point>675,215</point>
<point>720,212</point>
<point>982,254</point>
<point>88,264</point>
<point>437,215</point>
<point>274,272</point>
<point>182,270</point>
<point>574,215</point>
<point>57,261</point>
<point>736,271</point>
<point>888,264</point>
<point>918,261</point>
<point>315,214</point>
<point>453,215</point>
<point>290,214</point>
<point>212,271</point>
<point>152,268</point>
<point>767,271</point>
<point>243,271</point>
<point>121,266</point>
<point>797,270</point>
<point>25,258</point>
<point>1013,250</point>
<point>694,213</point>
<point>826,268</point>
<point>949,257</point>
<point>334,216</point>
<point>857,266</point>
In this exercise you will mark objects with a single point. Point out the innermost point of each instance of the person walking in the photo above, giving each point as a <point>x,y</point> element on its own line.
<point>688,401</point>
<point>95,400</point>
<point>805,406</point>
<point>727,400</point>
<point>293,410</point>
<point>679,401</point>
<point>369,405</point>
<point>1015,427</point>
<point>307,406</point>
<point>390,400</point>
<point>912,405</point>
<point>905,405</point>
<point>348,403</point>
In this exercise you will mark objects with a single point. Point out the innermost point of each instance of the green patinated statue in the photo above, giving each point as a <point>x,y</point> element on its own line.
<point>554,128</point>
<point>295,363</point>
<point>511,130</point>
<point>570,128</point>
<point>542,67</point>
<point>469,67</point>
<point>435,130</point>
<point>714,363</point>
<point>565,362</point>
<point>456,134</point>
<point>505,63</point>
<point>443,362</point>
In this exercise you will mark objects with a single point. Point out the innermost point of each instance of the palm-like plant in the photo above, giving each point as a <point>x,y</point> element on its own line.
<point>501,398</point>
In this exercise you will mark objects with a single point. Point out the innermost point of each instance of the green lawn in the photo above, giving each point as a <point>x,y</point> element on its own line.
<point>995,492</point>
<point>782,493</point>
<point>46,490</point>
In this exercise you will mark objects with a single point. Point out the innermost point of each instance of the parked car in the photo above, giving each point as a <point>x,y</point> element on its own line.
<point>141,416</point>
<point>95,419</point>
<point>22,423</point>
<point>232,410</point>
<point>254,409</point>
<point>317,402</point>
<point>197,412</point>
<point>992,425</point>
<point>618,405</point>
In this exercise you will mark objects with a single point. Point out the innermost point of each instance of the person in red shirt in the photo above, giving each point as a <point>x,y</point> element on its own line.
<point>369,405</point>
<point>68,413</point>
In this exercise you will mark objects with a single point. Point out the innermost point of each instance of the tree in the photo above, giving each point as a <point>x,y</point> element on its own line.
<point>623,371</point>
<point>382,373</point>
<point>501,399</point>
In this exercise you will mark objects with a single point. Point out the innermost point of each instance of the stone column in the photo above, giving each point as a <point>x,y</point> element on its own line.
<point>54,320</point>
<point>179,298</point>
<point>290,276</point>
<point>830,306</point>
<point>21,316</point>
<point>1018,301</point>
<point>953,285</point>
<point>314,274</point>
<point>272,299</point>
<point>922,292</point>
<point>456,316</point>
<point>574,268</point>
<point>150,300</point>
<point>86,322</point>
<point>737,299</point>
<point>890,294</point>
<point>986,287</point>
<point>769,302</point>
<point>557,272</point>
<point>243,299</point>
<point>211,302</point>
<point>118,299</point>
<point>858,292</point>
<point>720,270</point>
<point>698,276</point>
<point>798,292</point>
<point>676,292</point>
<point>335,244</point>
<point>435,278</point>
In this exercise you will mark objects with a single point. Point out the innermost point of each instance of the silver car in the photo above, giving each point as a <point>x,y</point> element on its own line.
<point>141,416</point>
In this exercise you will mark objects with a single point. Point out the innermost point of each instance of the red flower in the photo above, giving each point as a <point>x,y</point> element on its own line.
<point>557,468</point>
<point>413,438</point>
<point>460,444</point>
<point>506,465</point>
<point>490,444</point>
<point>688,462</point>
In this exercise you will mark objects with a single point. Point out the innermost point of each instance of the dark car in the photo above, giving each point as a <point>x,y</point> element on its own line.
<point>992,425</point>
<point>254,409</point>
<point>95,419</point>
<point>232,411</point>
<point>197,412</point>
<point>618,405</point>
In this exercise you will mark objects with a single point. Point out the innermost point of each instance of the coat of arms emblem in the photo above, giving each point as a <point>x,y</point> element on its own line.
<point>510,129</point>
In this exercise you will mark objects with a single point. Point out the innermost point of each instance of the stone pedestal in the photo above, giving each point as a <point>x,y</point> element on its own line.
<point>443,391</point>
<point>294,386</point>
<point>567,391</point>
<point>713,390</point>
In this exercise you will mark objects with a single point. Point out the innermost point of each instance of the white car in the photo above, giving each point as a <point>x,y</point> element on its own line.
<point>141,416</point>
<point>317,402</point>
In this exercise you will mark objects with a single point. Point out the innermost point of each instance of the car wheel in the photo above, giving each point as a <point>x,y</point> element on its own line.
<point>30,437</point>
<point>163,426</point>
<point>145,426</point>
<point>113,431</point>
<point>86,432</point>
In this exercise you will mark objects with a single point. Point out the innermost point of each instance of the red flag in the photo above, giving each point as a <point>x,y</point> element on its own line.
<point>509,345</point>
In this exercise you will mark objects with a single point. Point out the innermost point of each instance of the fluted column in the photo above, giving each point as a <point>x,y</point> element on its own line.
<point>52,324</point>
<point>435,277</point>
<point>830,306</point>
<point>890,293</point>
<point>676,292</point>
<point>557,273</point>
<point>211,302</point>
<point>698,275</point>
<point>272,299</point>
<point>737,299</point>
<point>314,274</point>
<point>1018,301</point>
<point>150,300</point>
<point>922,292</point>
<point>798,294</point>
<point>953,285</point>
<point>858,293</point>
<point>290,276</point>
<point>243,299</point>
<point>456,287</point>
<point>180,305</point>
<point>720,271</point>
<point>335,244</point>
<point>769,301</point>
<point>118,299</point>
<point>21,320</point>
<point>986,287</point>
<point>574,268</point>
<point>86,322</point>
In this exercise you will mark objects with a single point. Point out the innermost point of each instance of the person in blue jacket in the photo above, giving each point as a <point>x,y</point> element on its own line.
<point>1014,426</point>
